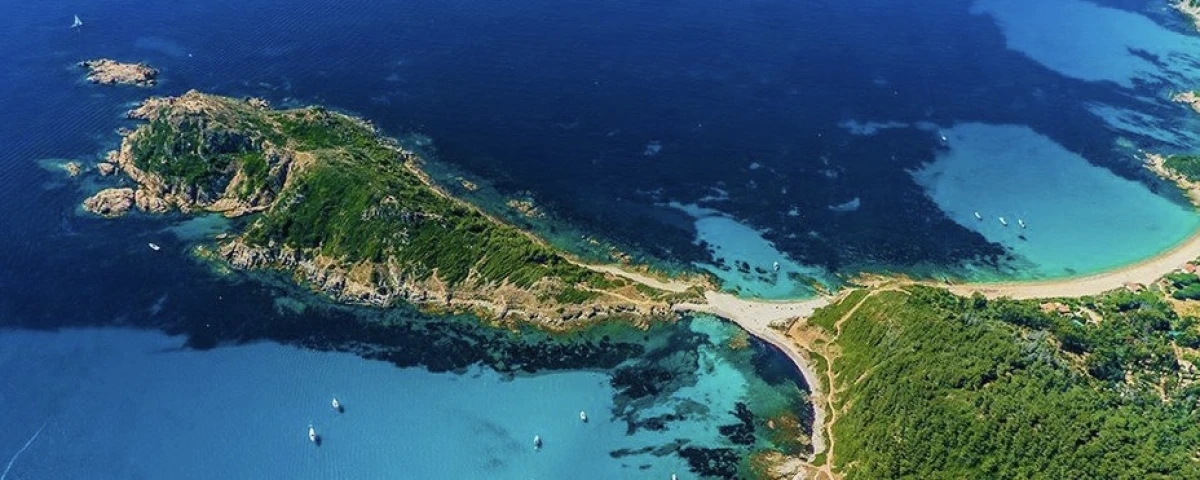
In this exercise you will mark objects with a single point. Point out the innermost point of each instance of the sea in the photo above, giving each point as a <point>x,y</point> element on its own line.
<point>829,138</point>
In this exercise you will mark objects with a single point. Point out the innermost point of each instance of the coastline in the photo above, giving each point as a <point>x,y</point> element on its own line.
<point>1143,272</point>
<point>758,318</point>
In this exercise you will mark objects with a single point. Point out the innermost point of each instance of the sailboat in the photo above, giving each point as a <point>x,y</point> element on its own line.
<point>77,23</point>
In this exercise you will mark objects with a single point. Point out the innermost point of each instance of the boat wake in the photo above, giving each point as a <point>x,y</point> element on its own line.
<point>13,460</point>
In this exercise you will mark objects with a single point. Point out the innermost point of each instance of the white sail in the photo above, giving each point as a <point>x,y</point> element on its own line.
<point>78,23</point>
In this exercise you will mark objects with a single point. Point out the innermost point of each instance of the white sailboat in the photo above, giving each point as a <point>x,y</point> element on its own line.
<point>77,23</point>
<point>312,435</point>
<point>337,406</point>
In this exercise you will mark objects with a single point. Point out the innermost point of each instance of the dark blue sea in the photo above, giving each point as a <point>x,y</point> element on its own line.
<point>725,136</point>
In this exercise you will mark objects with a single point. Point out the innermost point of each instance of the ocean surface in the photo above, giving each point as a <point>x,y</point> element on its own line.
<point>830,137</point>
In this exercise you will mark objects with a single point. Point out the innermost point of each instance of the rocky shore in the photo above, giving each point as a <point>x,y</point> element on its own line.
<point>385,285</point>
<point>251,159</point>
<point>1188,98</point>
<point>106,71</point>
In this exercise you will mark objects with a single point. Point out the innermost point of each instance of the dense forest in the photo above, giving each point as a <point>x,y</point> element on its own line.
<point>931,385</point>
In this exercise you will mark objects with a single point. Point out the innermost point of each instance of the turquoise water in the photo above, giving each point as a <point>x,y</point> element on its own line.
<point>120,403</point>
<point>1081,218</point>
<point>1091,42</point>
<point>745,262</point>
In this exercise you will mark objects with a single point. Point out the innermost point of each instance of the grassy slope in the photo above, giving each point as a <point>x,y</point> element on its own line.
<point>944,387</point>
<point>356,202</point>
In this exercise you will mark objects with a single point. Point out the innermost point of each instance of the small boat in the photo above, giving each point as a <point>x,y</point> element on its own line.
<point>978,216</point>
<point>776,266</point>
<point>673,477</point>
<point>77,23</point>
<point>154,246</point>
<point>1021,223</point>
<point>537,442</point>
<point>582,416</point>
<point>1003,221</point>
<point>945,140</point>
<point>337,406</point>
<point>312,435</point>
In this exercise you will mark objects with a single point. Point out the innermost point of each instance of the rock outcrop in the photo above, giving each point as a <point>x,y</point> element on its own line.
<point>351,214</point>
<point>110,203</point>
<point>105,71</point>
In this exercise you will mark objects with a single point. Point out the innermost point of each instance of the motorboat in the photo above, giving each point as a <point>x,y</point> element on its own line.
<point>77,23</point>
<point>776,266</point>
<point>1021,223</point>
<point>583,416</point>
<point>978,216</point>
<point>154,246</point>
<point>1003,221</point>
<point>337,406</point>
<point>537,442</point>
<point>312,435</point>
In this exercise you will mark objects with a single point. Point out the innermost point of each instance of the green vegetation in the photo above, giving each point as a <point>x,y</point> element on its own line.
<point>353,197</point>
<point>827,317</point>
<point>943,387</point>
<point>1186,165</point>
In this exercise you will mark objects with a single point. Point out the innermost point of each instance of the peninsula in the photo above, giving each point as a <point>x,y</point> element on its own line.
<point>350,213</point>
<point>106,71</point>
<point>908,379</point>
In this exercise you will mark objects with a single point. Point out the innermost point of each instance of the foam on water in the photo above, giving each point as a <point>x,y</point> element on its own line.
<point>131,404</point>
<point>1081,218</point>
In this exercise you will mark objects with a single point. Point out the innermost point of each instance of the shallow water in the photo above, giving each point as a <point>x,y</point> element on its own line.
<point>788,131</point>
<point>1080,218</point>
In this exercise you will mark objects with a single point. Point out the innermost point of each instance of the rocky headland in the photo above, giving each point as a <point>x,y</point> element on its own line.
<point>106,71</point>
<point>351,214</point>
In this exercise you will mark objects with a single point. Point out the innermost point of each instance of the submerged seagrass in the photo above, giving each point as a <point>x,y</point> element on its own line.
<point>352,214</point>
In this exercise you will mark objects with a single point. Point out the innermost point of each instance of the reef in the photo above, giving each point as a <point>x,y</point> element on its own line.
<point>350,213</point>
<point>105,71</point>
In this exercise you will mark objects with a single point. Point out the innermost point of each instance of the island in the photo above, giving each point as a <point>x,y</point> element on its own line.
<point>106,71</point>
<point>350,213</point>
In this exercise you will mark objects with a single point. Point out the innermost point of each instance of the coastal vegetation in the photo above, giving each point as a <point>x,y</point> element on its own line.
<point>351,213</point>
<point>933,385</point>
<point>1187,165</point>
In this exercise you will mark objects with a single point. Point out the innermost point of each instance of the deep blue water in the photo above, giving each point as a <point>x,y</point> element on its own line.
<point>722,134</point>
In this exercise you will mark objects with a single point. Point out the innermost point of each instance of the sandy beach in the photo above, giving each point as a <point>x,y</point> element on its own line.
<point>757,317</point>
